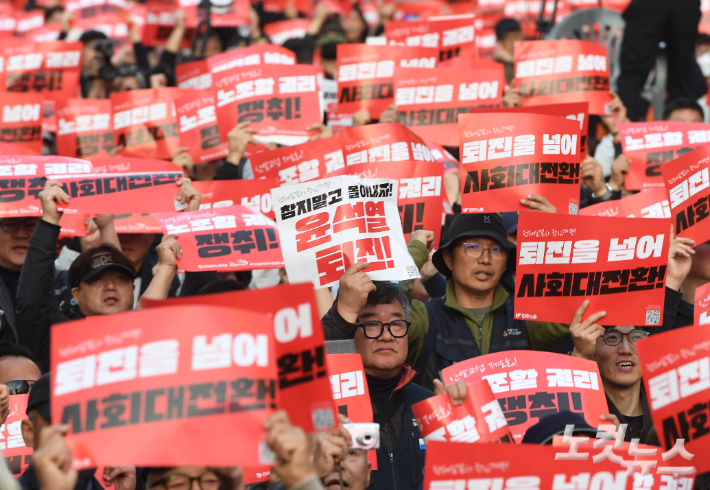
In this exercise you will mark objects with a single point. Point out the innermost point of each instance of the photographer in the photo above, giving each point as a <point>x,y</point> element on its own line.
<point>96,67</point>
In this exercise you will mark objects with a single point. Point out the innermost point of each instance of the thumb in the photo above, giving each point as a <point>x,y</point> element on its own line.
<point>439,387</point>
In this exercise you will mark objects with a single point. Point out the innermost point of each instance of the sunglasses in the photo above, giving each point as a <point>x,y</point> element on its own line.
<point>19,386</point>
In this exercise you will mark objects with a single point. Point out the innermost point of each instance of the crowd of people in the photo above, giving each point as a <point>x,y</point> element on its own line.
<point>406,333</point>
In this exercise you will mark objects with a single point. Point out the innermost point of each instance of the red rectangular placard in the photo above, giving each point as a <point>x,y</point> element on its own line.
<point>702,305</point>
<point>375,143</point>
<point>254,194</point>
<point>85,128</point>
<point>21,122</point>
<point>300,163</point>
<point>450,35</point>
<point>651,203</point>
<point>197,125</point>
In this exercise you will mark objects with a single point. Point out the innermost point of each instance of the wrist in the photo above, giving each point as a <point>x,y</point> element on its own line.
<point>54,220</point>
<point>601,190</point>
<point>673,283</point>
<point>348,314</point>
<point>234,157</point>
<point>580,355</point>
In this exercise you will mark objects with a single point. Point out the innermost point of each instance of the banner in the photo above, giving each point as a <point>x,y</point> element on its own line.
<point>303,383</point>
<point>366,74</point>
<point>282,30</point>
<point>447,34</point>
<point>651,144</point>
<point>575,111</point>
<point>197,124</point>
<point>122,193</point>
<point>232,238</point>
<point>429,102</point>
<point>12,445</point>
<point>702,305</point>
<point>23,178</point>
<point>618,264</point>
<point>169,375</point>
<point>505,158</point>
<point>549,72</point>
<point>687,181</point>
<point>84,128</point>
<point>194,75</point>
<point>390,142</point>
<point>127,165</point>
<point>135,223</point>
<point>50,68</point>
<point>327,226</point>
<point>279,101</point>
<point>532,385</point>
<point>254,194</point>
<point>421,193</point>
<point>21,123</point>
<point>144,122</point>
<point>300,163</point>
<point>478,419</point>
<point>651,203</point>
<point>676,376</point>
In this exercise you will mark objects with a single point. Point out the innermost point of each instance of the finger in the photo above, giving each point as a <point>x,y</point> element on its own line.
<point>241,125</point>
<point>357,267</point>
<point>685,241</point>
<point>577,317</point>
<point>280,417</point>
<point>439,387</point>
<point>345,434</point>
<point>530,204</point>
<point>593,318</point>
<point>315,126</point>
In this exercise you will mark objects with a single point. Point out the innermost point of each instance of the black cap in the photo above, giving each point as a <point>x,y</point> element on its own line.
<point>506,25</point>
<point>470,225</point>
<point>39,397</point>
<point>554,425</point>
<point>90,266</point>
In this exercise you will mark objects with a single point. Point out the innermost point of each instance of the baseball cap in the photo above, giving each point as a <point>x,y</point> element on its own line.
<point>39,397</point>
<point>94,261</point>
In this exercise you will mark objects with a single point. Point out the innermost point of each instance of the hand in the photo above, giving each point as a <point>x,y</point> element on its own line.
<point>585,333</point>
<point>390,115</point>
<point>428,269</point>
<point>290,445</point>
<point>386,10</point>
<point>52,460</point>
<point>66,19</point>
<point>331,449</point>
<point>324,131</point>
<point>424,236</point>
<point>290,12</point>
<point>513,97</point>
<point>538,203</point>
<point>52,195</point>
<point>4,403</point>
<point>238,138</point>
<point>361,118</point>
<point>93,235</point>
<point>680,260</point>
<point>189,195</point>
<point>322,11</point>
<point>169,251</point>
<point>103,221</point>
<point>354,288</point>
<point>618,114</point>
<point>619,169</point>
<point>121,477</point>
<point>592,174</point>
<point>184,160</point>
<point>610,417</point>
<point>180,18</point>
<point>456,391</point>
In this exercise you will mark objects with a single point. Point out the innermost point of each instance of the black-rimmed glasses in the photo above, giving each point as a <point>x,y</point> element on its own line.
<point>374,329</point>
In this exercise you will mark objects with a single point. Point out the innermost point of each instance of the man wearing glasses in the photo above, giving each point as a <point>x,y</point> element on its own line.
<point>15,236</point>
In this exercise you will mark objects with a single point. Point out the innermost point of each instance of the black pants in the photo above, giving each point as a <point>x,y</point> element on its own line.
<point>649,22</point>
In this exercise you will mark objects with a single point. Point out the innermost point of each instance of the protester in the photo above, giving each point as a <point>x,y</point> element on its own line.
<point>507,33</point>
<point>18,367</point>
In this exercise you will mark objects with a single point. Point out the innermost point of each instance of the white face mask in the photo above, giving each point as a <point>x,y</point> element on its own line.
<point>704,63</point>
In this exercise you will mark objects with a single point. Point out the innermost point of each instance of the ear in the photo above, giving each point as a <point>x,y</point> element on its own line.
<point>368,474</point>
<point>75,294</point>
<point>28,433</point>
<point>448,259</point>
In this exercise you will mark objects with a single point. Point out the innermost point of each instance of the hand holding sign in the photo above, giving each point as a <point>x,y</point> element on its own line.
<point>592,174</point>
<point>4,403</point>
<point>538,203</point>
<point>188,195</point>
<point>291,447</point>
<point>456,391</point>
<point>238,138</point>
<point>121,477</point>
<point>680,260</point>
<point>585,333</point>
<point>354,288</point>
<point>52,460</point>
<point>50,196</point>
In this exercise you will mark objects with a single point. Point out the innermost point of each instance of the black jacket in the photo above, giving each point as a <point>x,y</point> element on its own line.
<point>647,421</point>
<point>86,480</point>
<point>677,312</point>
<point>8,323</point>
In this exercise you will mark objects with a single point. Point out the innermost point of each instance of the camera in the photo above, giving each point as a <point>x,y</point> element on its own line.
<point>364,436</point>
<point>104,47</point>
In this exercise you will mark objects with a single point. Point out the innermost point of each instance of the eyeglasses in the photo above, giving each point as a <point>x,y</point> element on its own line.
<point>13,225</point>
<point>178,481</point>
<point>475,251</point>
<point>614,337</point>
<point>19,386</point>
<point>375,329</point>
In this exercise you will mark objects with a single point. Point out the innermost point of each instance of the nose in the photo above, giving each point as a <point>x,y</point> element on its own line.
<point>195,485</point>
<point>386,335</point>
<point>626,347</point>
<point>485,257</point>
<point>110,284</point>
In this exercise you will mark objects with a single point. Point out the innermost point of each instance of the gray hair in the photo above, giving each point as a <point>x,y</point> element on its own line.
<point>388,293</point>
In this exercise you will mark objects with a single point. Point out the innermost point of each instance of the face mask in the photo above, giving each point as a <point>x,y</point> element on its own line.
<point>328,51</point>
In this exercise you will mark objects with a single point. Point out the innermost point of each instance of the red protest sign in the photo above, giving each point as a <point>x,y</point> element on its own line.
<point>687,181</point>
<point>376,143</point>
<point>144,122</point>
<point>532,385</point>
<point>279,101</point>
<point>300,163</point>
<point>51,68</point>
<point>702,305</point>
<point>504,162</point>
<point>84,128</point>
<point>254,194</point>
<point>84,9</point>
<point>21,123</point>
<point>135,223</point>
<point>197,125</point>
<point>420,195</point>
<point>651,144</point>
<point>366,74</point>
<point>262,54</point>
<point>575,111</point>
<point>159,23</point>
<point>440,154</point>
<point>282,30</point>
<point>618,264</point>
<point>73,225</point>
<point>447,34</point>
<point>478,419</point>
<point>173,374</point>
<point>114,26</point>
<point>430,102</point>
<point>122,193</point>
<point>126,165</point>
<point>305,391</point>
<point>676,375</point>
<point>651,203</point>
<point>232,238</point>
<point>16,453</point>
<point>193,74</point>
<point>548,72</point>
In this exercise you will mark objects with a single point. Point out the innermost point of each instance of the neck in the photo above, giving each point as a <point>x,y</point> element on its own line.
<point>330,67</point>
<point>626,399</point>
<point>469,298</point>
<point>382,373</point>
<point>689,285</point>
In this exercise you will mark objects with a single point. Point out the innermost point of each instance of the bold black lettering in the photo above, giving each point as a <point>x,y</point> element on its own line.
<point>527,286</point>
<point>72,416</point>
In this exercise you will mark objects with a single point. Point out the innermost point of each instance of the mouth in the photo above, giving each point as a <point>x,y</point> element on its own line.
<point>482,275</point>
<point>625,365</point>
<point>335,483</point>
<point>385,349</point>
<point>111,300</point>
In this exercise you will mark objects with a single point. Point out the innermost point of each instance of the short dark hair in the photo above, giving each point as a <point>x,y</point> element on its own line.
<point>389,292</point>
<point>9,349</point>
<point>222,286</point>
<point>682,103</point>
<point>90,36</point>
<point>82,264</point>
<point>51,11</point>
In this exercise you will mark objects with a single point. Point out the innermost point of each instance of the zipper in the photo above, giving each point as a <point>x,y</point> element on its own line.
<point>394,478</point>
